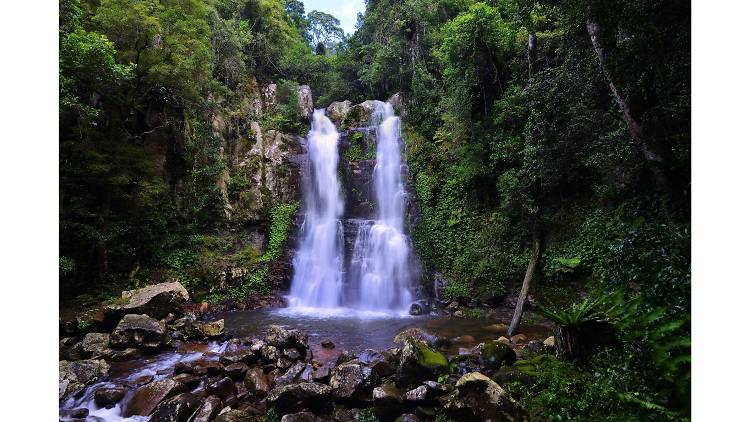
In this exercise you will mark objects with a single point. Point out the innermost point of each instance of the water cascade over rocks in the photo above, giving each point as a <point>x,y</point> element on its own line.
<point>378,275</point>
<point>381,258</point>
<point>318,264</point>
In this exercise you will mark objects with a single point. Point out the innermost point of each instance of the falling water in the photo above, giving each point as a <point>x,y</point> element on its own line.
<point>318,264</point>
<point>380,262</point>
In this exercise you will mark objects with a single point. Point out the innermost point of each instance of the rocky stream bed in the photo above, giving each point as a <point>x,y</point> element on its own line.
<point>162,362</point>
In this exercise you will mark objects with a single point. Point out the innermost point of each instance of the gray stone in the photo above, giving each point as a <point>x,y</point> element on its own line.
<point>177,409</point>
<point>156,301</point>
<point>138,331</point>
<point>478,397</point>
<point>352,380</point>
<point>74,376</point>
<point>147,398</point>
<point>301,396</point>
<point>208,410</point>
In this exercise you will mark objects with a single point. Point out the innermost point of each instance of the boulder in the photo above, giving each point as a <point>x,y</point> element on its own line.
<point>360,115</point>
<point>222,388</point>
<point>109,396</point>
<point>496,354</point>
<point>466,363</point>
<point>518,338</point>
<point>550,341</point>
<point>95,344</point>
<point>208,410</point>
<point>322,374</point>
<point>417,395</point>
<point>75,376</point>
<point>177,409</point>
<point>338,110</point>
<point>416,309</point>
<point>305,100</point>
<point>282,338</point>
<point>419,362</point>
<point>236,352</point>
<point>156,301</point>
<point>236,371</point>
<point>139,331</point>
<point>301,396</point>
<point>199,367</point>
<point>327,344</point>
<point>398,103</point>
<point>479,398</point>
<point>191,381</point>
<point>377,362</point>
<point>352,380</point>
<point>129,353</point>
<point>416,333</point>
<point>212,329</point>
<point>300,371</point>
<point>146,398</point>
<point>388,401</point>
<point>269,354</point>
<point>301,417</point>
<point>256,382</point>
<point>232,415</point>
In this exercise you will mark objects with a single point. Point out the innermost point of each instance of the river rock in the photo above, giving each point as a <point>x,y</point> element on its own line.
<point>95,344</point>
<point>146,398</point>
<point>236,371</point>
<point>156,301</point>
<point>467,362</point>
<point>419,362</point>
<point>416,309</point>
<point>191,381</point>
<point>416,333</point>
<point>138,331</point>
<point>301,396</point>
<point>199,367</point>
<point>496,354</point>
<point>327,344</point>
<point>222,388</point>
<point>388,401</point>
<point>322,374</point>
<point>256,382</point>
<point>479,398</point>
<point>359,115</point>
<point>109,396</point>
<point>282,338</point>
<point>129,353</point>
<point>236,352</point>
<point>352,380</point>
<point>232,415</point>
<point>291,374</point>
<point>74,376</point>
<point>417,395</point>
<point>301,417</point>
<point>177,409</point>
<point>212,329</point>
<point>518,338</point>
<point>209,409</point>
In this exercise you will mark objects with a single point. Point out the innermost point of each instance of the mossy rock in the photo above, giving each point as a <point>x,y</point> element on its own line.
<point>430,358</point>
<point>496,354</point>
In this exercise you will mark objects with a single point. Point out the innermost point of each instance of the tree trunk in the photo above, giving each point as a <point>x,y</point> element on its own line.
<point>655,157</point>
<point>535,249</point>
<point>531,53</point>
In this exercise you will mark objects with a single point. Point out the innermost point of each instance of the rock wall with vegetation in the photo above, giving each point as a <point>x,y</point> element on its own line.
<point>179,125</point>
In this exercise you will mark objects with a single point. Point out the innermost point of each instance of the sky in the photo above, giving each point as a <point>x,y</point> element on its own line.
<point>344,10</point>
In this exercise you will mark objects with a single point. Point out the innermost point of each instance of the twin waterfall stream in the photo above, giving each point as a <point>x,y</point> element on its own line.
<point>378,275</point>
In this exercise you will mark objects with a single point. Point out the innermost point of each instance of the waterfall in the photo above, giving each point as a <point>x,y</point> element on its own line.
<point>318,263</point>
<point>379,276</point>
<point>381,257</point>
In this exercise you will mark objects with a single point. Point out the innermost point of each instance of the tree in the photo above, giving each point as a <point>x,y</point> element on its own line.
<point>324,30</point>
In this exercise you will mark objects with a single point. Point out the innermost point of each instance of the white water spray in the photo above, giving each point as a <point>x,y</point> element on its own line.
<point>318,263</point>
